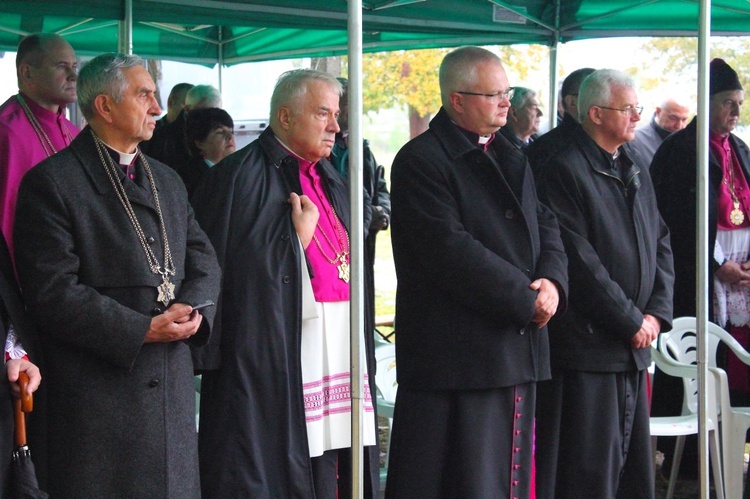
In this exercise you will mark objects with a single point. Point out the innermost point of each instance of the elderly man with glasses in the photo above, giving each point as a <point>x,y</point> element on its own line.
<point>481,270</point>
<point>592,417</point>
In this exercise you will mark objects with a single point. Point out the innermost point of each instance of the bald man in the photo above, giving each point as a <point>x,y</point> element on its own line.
<point>668,118</point>
<point>33,125</point>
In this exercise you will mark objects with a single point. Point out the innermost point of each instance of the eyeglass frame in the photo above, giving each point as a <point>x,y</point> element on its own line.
<point>508,94</point>
<point>629,110</point>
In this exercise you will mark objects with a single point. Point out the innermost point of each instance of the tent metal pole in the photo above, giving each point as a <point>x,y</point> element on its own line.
<point>702,249</point>
<point>125,28</point>
<point>356,237</point>
<point>220,52</point>
<point>553,86</point>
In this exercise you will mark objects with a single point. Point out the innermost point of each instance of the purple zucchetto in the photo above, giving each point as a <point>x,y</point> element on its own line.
<point>722,77</point>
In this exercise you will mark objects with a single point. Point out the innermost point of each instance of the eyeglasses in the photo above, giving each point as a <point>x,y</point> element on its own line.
<point>508,94</point>
<point>630,110</point>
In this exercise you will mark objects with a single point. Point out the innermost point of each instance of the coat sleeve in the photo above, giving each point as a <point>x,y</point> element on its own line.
<point>428,233</point>
<point>553,262</point>
<point>202,277</point>
<point>48,267</point>
<point>606,302</point>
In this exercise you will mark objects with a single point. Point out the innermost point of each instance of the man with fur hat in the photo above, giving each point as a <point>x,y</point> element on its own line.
<point>674,173</point>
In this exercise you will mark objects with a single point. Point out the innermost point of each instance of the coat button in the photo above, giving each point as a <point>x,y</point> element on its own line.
<point>522,331</point>
<point>153,383</point>
<point>150,240</point>
<point>509,214</point>
<point>285,237</point>
<point>156,311</point>
<point>286,279</point>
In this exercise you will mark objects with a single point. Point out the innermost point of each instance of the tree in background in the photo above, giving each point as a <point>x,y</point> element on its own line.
<point>404,78</point>
<point>679,58</point>
<point>410,78</point>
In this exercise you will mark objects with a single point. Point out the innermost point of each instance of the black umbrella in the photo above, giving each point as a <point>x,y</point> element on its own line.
<point>23,476</point>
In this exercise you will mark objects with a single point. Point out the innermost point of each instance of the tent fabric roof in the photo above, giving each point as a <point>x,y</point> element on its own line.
<point>235,31</point>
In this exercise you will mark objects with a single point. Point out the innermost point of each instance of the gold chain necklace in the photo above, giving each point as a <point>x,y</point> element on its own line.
<point>166,288</point>
<point>44,139</point>
<point>339,260</point>
<point>736,216</point>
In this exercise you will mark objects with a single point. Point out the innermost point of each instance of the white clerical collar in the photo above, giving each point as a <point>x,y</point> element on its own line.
<point>300,158</point>
<point>483,139</point>
<point>126,158</point>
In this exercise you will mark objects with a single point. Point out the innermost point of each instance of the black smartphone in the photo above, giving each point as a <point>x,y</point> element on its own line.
<point>205,304</point>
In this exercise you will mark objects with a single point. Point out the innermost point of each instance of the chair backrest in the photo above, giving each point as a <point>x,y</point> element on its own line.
<point>678,347</point>
<point>385,377</point>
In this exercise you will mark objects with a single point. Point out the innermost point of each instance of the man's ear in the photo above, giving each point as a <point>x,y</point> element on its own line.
<point>457,102</point>
<point>24,72</point>
<point>103,107</point>
<point>595,115</point>
<point>285,117</point>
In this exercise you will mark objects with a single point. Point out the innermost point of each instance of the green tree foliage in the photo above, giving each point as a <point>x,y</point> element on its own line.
<point>679,58</point>
<point>403,78</point>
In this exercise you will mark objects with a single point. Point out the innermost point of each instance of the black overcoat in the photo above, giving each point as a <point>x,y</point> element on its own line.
<point>122,413</point>
<point>673,170</point>
<point>464,306</point>
<point>253,438</point>
<point>620,261</point>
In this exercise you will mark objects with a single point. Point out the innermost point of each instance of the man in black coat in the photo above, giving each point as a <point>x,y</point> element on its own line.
<point>111,260</point>
<point>481,270</point>
<point>674,174</point>
<point>16,327</point>
<point>273,210</point>
<point>592,418</point>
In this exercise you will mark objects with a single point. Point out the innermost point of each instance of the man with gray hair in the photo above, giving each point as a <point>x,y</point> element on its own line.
<point>481,270</point>
<point>524,118</point>
<point>112,261</point>
<point>202,97</point>
<point>275,399</point>
<point>169,143</point>
<point>592,418</point>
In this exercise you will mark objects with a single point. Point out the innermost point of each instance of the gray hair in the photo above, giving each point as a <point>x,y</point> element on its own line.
<point>596,89</point>
<point>292,85</point>
<point>103,76</point>
<point>202,97</point>
<point>458,70</point>
<point>521,95</point>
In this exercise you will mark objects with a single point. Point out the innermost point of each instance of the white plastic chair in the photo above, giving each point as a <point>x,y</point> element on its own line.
<point>387,386</point>
<point>687,423</point>
<point>735,421</point>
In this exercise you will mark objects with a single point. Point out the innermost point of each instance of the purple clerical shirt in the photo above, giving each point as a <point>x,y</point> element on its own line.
<point>21,149</point>
<point>327,286</point>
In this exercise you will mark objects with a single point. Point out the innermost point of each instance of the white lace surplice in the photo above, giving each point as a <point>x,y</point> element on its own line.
<point>326,381</point>
<point>732,302</point>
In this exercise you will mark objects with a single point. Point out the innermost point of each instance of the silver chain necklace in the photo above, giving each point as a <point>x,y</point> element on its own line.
<point>166,288</point>
<point>49,149</point>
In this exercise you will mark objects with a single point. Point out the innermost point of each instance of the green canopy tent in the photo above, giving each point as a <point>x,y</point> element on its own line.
<point>235,31</point>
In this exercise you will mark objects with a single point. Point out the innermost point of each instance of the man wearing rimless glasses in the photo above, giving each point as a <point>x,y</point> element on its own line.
<point>481,270</point>
<point>592,416</point>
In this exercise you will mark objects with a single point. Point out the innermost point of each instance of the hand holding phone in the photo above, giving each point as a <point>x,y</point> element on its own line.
<point>198,306</point>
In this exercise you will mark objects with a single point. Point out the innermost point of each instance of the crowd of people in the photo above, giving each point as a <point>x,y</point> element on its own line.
<point>534,273</point>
